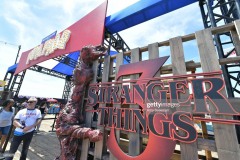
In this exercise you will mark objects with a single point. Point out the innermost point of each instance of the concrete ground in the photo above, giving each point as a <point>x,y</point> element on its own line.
<point>44,145</point>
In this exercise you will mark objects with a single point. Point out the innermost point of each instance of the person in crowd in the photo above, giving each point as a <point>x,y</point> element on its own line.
<point>43,109</point>
<point>51,108</point>
<point>25,122</point>
<point>6,116</point>
<point>24,105</point>
<point>54,108</point>
<point>17,106</point>
<point>57,107</point>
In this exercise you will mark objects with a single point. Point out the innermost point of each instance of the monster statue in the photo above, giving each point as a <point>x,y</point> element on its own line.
<point>70,122</point>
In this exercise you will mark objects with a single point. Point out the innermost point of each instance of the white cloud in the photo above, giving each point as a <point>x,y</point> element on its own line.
<point>8,54</point>
<point>173,24</point>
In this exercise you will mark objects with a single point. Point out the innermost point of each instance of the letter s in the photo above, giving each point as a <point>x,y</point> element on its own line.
<point>184,125</point>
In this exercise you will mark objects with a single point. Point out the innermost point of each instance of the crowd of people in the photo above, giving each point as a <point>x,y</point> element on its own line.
<point>26,117</point>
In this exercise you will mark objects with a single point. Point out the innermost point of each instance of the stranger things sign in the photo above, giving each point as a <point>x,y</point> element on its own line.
<point>159,114</point>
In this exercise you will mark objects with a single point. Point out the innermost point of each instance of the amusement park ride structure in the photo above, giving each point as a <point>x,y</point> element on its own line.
<point>215,13</point>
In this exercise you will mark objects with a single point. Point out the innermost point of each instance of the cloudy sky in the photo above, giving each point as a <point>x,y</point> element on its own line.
<point>27,22</point>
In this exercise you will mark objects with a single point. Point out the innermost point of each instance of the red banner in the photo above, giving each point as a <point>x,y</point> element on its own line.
<point>88,30</point>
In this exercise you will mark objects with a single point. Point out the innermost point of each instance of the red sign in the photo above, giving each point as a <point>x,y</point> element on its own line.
<point>86,31</point>
<point>158,116</point>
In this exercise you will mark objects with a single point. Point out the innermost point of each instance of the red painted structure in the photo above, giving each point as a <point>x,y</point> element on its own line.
<point>88,30</point>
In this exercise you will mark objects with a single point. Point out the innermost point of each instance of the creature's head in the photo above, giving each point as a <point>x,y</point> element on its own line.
<point>91,53</point>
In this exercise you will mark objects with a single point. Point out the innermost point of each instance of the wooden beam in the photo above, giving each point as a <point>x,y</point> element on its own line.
<point>119,61</point>
<point>88,120</point>
<point>236,36</point>
<point>205,136</point>
<point>188,151</point>
<point>206,144</point>
<point>100,146</point>
<point>134,148</point>
<point>225,134</point>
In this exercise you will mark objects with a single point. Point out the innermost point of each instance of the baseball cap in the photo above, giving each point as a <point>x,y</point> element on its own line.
<point>32,99</point>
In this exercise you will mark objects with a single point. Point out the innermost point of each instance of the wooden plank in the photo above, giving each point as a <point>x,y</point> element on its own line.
<point>99,146</point>
<point>205,136</point>
<point>134,138</point>
<point>235,103</point>
<point>88,120</point>
<point>236,42</point>
<point>111,67</point>
<point>222,29</point>
<point>206,144</point>
<point>153,52</point>
<point>236,36</point>
<point>189,37</point>
<point>225,134</point>
<point>188,151</point>
<point>191,65</point>
<point>119,61</point>
<point>229,60</point>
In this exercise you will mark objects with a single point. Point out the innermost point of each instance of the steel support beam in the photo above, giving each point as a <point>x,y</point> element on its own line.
<point>67,88</point>
<point>216,13</point>
<point>47,71</point>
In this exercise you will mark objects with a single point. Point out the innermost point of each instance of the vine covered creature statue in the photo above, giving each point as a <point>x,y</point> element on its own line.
<point>70,122</point>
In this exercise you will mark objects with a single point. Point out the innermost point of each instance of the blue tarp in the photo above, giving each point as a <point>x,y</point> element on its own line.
<point>12,68</point>
<point>142,11</point>
<point>66,69</point>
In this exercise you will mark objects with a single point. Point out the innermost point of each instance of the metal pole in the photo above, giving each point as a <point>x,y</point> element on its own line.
<point>237,5</point>
<point>204,17</point>
<point>19,48</point>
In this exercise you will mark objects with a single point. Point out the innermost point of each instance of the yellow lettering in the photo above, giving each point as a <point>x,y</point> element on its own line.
<point>56,41</point>
<point>38,52</point>
<point>47,47</point>
<point>59,42</point>
<point>64,39</point>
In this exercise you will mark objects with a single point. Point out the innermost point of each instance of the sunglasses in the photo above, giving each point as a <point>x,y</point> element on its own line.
<point>31,102</point>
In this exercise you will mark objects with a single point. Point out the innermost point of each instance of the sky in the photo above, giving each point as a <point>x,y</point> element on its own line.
<point>27,22</point>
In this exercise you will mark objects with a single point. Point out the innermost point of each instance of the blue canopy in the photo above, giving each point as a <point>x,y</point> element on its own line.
<point>142,11</point>
<point>12,68</point>
<point>66,69</point>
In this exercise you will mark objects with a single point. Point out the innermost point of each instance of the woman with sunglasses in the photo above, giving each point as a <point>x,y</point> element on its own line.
<point>25,122</point>
<point>6,116</point>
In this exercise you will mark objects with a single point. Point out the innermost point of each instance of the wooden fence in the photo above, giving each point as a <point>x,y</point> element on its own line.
<point>224,142</point>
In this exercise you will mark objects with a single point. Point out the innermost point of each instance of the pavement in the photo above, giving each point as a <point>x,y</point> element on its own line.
<point>44,145</point>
